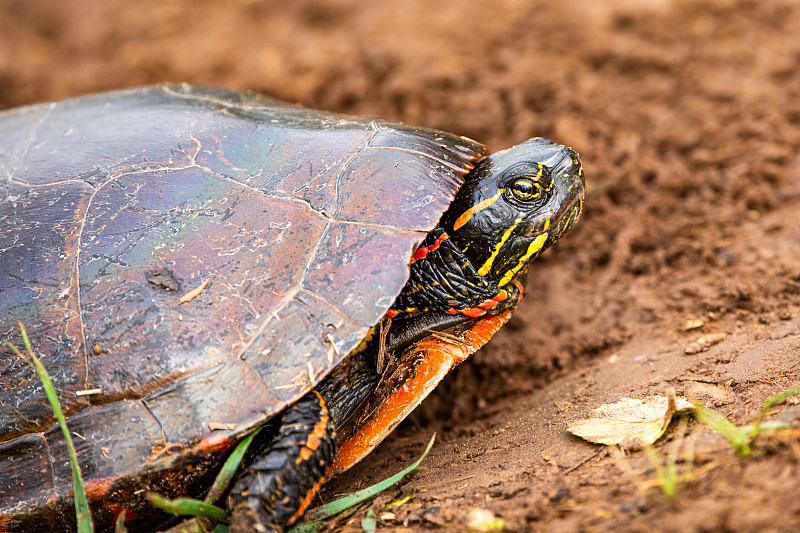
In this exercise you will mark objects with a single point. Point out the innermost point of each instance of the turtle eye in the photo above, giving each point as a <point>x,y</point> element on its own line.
<point>525,189</point>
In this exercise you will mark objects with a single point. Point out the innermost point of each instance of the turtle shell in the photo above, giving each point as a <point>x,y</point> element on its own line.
<point>188,261</point>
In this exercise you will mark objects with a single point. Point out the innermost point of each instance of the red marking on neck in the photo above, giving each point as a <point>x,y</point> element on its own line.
<point>425,250</point>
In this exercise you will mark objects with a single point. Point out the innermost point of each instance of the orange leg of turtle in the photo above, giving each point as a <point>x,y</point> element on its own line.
<point>439,355</point>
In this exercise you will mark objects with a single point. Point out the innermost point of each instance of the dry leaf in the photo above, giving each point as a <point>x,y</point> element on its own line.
<point>629,422</point>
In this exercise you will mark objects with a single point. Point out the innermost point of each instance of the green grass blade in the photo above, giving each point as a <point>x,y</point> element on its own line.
<point>666,477</point>
<point>82,513</point>
<point>205,508</point>
<point>369,524</point>
<point>187,506</point>
<point>723,426</point>
<point>341,504</point>
<point>229,469</point>
<point>752,430</point>
<point>337,506</point>
<point>778,398</point>
<point>119,524</point>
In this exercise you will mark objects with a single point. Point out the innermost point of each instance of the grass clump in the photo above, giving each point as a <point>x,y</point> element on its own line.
<point>741,437</point>
<point>82,513</point>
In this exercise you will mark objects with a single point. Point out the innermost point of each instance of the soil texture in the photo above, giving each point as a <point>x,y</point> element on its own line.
<point>687,117</point>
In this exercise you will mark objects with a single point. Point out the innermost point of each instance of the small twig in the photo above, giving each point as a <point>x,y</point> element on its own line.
<point>447,337</point>
<point>213,426</point>
<point>191,295</point>
<point>333,345</point>
<point>384,332</point>
<point>583,462</point>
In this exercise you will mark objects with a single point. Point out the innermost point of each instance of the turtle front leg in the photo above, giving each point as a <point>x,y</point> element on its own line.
<point>275,490</point>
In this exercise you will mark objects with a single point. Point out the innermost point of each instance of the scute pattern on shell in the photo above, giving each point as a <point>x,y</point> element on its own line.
<point>300,224</point>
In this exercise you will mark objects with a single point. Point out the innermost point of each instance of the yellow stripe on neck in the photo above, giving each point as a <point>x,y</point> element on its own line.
<point>533,247</point>
<point>487,266</point>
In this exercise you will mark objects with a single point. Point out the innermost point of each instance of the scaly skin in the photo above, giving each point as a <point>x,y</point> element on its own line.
<point>275,489</point>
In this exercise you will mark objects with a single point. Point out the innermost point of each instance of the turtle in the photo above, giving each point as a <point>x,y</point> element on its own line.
<point>193,263</point>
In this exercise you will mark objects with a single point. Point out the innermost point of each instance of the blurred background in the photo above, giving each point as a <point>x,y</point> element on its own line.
<point>686,114</point>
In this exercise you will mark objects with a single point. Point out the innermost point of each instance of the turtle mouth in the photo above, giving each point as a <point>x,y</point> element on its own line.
<point>569,214</point>
<point>570,211</point>
<point>569,219</point>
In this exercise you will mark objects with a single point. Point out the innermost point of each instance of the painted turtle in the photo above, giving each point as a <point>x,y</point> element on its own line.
<point>193,262</point>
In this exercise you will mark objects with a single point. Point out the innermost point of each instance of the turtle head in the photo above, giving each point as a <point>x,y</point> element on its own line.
<point>514,205</point>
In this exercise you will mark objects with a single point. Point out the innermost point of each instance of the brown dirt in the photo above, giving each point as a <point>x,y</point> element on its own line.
<point>687,116</point>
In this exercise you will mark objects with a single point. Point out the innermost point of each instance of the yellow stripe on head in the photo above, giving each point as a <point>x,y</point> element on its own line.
<point>533,247</point>
<point>487,266</point>
<point>466,215</point>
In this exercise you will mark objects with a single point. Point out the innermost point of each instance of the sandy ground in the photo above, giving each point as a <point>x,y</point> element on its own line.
<point>687,116</point>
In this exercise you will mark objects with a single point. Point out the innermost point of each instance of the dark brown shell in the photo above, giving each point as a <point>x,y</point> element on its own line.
<point>293,228</point>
